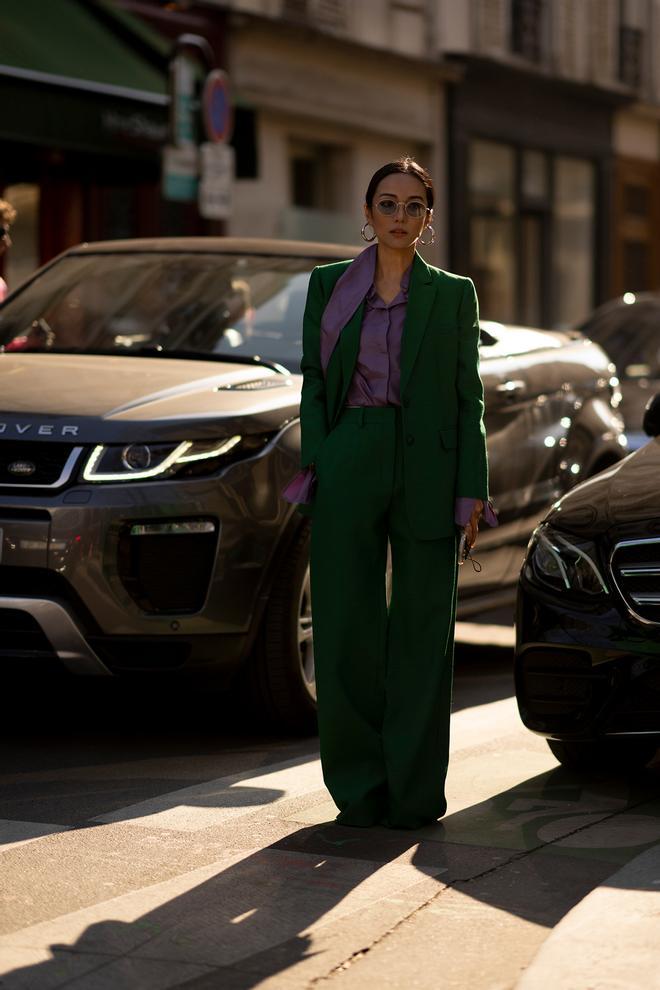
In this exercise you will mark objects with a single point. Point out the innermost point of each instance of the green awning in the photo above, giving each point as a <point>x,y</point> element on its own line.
<point>83,45</point>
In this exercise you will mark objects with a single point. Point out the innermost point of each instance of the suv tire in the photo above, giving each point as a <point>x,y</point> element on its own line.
<point>281,671</point>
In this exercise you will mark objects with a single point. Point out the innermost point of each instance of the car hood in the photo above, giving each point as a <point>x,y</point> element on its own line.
<point>624,493</point>
<point>101,396</point>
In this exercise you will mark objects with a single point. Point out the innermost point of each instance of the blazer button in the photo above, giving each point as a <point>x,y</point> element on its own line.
<point>410,439</point>
<point>406,401</point>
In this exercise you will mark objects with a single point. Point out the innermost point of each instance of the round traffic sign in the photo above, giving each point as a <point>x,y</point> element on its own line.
<point>218,111</point>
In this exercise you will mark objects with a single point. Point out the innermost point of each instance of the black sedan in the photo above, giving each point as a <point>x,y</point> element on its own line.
<point>588,643</point>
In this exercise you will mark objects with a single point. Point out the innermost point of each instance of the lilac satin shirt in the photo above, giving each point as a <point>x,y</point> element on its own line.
<point>377,374</point>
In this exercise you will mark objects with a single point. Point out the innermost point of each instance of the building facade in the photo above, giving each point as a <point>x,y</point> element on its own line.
<point>84,88</point>
<point>326,92</point>
<point>553,135</point>
<point>538,119</point>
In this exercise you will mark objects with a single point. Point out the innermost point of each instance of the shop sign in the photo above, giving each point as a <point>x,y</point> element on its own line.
<point>180,173</point>
<point>217,179</point>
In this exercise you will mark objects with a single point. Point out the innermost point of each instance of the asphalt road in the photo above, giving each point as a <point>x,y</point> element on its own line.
<point>151,840</point>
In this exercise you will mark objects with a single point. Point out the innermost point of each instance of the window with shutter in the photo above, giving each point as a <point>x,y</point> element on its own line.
<point>527,28</point>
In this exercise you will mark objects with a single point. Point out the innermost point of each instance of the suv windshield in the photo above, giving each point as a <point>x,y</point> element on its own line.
<point>197,304</point>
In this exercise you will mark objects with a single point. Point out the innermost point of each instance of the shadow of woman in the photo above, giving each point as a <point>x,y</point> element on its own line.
<point>246,917</point>
<point>239,920</point>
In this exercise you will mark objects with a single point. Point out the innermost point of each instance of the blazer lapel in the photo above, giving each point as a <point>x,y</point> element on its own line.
<point>421,294</point>
<point>349,345</point>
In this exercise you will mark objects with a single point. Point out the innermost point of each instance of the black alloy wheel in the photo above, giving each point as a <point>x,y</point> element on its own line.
<point>613,753</point>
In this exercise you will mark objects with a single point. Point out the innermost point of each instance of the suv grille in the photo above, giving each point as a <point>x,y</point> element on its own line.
<point>33,464</point>
<point>635,567</point>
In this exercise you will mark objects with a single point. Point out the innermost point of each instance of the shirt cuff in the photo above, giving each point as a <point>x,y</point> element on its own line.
<point>463,508</point>
<point>301,488</point>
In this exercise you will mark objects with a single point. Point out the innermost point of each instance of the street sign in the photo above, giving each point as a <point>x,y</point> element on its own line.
<point>216,105</point>
<point>184,108</point>
<point>180,173</point>
<point>217,179</point>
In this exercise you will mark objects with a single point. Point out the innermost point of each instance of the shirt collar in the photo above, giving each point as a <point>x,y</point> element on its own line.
<point>376,302</point>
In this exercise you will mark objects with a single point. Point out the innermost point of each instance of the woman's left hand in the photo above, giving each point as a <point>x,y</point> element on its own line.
<point>472,527</point>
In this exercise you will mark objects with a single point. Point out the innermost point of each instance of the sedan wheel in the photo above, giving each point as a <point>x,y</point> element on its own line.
<point>606,753</point>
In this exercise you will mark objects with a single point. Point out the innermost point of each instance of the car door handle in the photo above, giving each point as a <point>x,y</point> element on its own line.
<point>510,388</point>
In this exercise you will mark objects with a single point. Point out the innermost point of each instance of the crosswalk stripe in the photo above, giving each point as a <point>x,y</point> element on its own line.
<point>16,833</point>
<point>214,802</point>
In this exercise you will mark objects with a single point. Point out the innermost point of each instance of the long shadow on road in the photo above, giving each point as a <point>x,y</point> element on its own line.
<point>532,850</point>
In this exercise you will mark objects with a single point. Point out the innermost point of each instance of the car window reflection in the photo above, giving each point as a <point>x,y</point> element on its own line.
<point>132,304</point>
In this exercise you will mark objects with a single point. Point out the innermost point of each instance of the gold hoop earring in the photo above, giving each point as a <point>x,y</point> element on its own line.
<point>432,241</point>
<point>363,232</point>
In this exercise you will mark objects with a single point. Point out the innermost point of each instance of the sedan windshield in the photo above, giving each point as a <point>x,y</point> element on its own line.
<point>196,305</point>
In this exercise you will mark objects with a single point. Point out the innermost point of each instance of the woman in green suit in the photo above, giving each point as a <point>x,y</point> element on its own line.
<point>392,428</point>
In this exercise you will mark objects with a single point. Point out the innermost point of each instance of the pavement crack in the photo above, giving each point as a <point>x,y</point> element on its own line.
<point>452,884</point>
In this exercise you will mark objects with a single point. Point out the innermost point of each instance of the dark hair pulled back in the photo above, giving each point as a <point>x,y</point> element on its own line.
<point>405,166</point>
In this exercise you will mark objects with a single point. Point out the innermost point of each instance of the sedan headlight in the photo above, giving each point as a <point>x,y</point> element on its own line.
<point>142,462</point>
<point>562,563</point>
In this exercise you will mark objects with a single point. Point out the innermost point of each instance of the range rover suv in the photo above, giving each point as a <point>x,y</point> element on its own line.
<point>149,419</point>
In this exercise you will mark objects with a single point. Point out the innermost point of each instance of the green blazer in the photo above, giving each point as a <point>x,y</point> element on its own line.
<point>442,402</point>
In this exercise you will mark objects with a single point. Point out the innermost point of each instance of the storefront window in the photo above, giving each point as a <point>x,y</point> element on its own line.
<point>573,240</point>
<point>317,209</point>
<point>23,258</point>
<point>492,233</point>
<point>531,229</point>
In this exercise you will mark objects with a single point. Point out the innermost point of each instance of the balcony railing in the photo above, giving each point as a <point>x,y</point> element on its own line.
<point>326,15</point>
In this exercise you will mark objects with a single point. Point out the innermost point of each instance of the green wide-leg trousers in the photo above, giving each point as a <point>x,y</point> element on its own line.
<point>384,677</point>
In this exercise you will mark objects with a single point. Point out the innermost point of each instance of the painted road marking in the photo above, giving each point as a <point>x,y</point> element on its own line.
<point>14,833</point>
<point>215,802</point>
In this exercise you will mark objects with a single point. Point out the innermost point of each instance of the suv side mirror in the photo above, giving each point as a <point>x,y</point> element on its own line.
<point>651,421</point>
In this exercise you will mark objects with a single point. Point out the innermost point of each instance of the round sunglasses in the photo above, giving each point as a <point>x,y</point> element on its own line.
<point>390,207</point>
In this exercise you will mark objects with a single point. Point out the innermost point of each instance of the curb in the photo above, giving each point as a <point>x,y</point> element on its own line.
<point>610,940</point>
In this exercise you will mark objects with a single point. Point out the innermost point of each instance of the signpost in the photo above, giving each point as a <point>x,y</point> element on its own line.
<point>215,187</point>
<point>180,158</point>
<point>180,173</point>
<point>191,171</point>
<point>217,157</point>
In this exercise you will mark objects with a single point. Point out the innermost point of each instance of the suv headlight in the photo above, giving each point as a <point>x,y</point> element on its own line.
<point>144,461</point>
<point>562,563</point>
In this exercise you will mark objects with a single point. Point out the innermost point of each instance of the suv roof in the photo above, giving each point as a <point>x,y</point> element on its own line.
<point>218,245</point>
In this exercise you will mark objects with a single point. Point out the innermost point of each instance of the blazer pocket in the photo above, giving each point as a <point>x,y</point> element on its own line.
<point>449,438</point>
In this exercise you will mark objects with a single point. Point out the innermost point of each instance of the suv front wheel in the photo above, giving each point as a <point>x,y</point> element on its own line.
<point>281,676</point>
